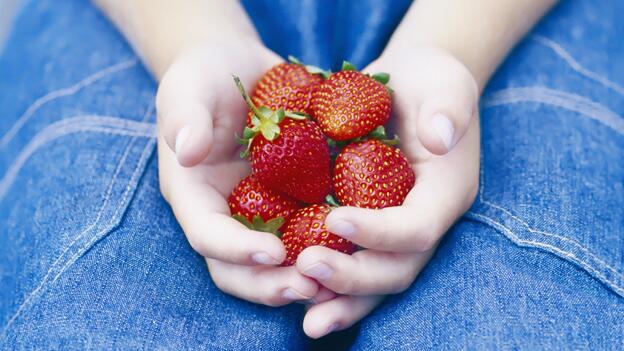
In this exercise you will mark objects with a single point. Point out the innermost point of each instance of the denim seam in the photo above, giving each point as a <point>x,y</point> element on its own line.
<point>67,91</point>
<point>69,126</point>
<point>549,248</point>
<point>546,246</point>
<point>575,65</point>
<point>147,150</point>
<point>558,98</point>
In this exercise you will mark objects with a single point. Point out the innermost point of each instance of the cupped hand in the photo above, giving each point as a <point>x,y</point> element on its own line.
<point>199,112</point>
<point>436,116</point>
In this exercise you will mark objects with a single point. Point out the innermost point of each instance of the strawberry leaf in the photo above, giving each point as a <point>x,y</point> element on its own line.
<point>280,115</point>
<point>296,115</point>
<point>249,133</point>
<point>348,66</point>
<point>269,131</point>
<point>241,141</point>
<point>270,226</point>
<point>311,69</point>
<point>317,70</point>
<point>294,60</point>
<point>243,220</point>
<point>332,201</point>
<point>381,77</point>
<point>378,133</point>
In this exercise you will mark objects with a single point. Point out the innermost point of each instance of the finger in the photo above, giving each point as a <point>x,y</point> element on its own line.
<point>322,295</point>
<point>366,272</point>
<point>446,107</point>
<point>337,314</point>
<point>203,215</point>
<point>443,192</point>
<point>271,286</point>
<point>183,119</point>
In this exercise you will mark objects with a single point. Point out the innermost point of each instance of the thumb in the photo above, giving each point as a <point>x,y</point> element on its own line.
<point>445,112</point>
<point>184,121</point>
<point>188,131</point>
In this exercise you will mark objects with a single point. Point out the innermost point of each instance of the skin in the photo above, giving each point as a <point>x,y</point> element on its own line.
<point>440,58</point>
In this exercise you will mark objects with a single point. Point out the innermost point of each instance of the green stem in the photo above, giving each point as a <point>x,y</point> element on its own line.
<point>250,103</point>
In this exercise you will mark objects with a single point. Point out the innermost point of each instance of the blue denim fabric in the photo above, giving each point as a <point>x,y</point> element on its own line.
<point>92,257</point>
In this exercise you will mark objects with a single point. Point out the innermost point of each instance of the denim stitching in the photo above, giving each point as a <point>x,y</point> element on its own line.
<point>516,239</point>
<point>69,126</point>
<point>39,288</point>
<point>111,224</point>
<point>147,150</point>
<point>67,91</point>
<point>575,65</point>
<point>513,237</point>
<point>572,102</point>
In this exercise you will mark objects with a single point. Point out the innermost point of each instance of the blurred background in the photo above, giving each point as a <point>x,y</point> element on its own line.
<point>8,8</point>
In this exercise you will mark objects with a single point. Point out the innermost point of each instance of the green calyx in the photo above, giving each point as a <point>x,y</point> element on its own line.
<point>264,120</point>
<point>257,223</point>
<point>311,69</point>
<point>348,66</point>
<point>379,133</point>
<point>382,77</point>
<point>331,201</point>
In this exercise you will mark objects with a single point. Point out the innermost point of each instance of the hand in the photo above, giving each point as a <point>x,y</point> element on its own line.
<point>435,102</point>
<point>199,112</point>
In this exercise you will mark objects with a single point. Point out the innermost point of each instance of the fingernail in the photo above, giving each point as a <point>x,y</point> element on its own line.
<point>319,271</point>
<point>443,127</point>
<point>263,258</point>
<point>292,294</point>
<point>182,136</point>
<point>341,228</point>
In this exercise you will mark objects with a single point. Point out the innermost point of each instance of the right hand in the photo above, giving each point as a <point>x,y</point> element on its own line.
<point>199,112</point>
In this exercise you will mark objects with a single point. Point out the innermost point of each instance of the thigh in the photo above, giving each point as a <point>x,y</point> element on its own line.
<point>537,261</point>
<point>91,255</point>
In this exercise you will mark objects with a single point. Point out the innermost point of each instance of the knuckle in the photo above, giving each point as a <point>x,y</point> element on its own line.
<point>403,283</point>
<point>218,280</point>
<point>346,286</point>
<point>271,300</point>
<point>424,243</point>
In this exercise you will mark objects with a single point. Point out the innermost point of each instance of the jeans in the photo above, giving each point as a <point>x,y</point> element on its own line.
<point>91,256</point>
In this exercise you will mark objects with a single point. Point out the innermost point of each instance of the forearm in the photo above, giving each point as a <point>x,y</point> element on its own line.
<point>160,29</point>
<point>479,33</point>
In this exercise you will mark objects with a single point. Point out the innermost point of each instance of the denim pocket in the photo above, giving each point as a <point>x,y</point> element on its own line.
<point>67,180</point>
<point>66,190</point>
<point>552,174</point>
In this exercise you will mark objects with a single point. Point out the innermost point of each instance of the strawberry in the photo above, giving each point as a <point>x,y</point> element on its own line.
<point>372,174</point>
<point>286,86</point>
<point>306,228</point>
<point>259,207</point>
<point>288,152</point>
<point>351,104</point>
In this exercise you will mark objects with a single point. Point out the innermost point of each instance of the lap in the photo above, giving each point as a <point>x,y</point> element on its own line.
<point>92,256</point>
<point>537,261</point>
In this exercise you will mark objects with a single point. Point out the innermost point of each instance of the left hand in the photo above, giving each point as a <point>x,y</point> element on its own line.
<point>435,103</point>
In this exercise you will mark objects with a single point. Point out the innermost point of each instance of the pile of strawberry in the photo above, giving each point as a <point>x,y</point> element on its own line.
<point>311,133</point>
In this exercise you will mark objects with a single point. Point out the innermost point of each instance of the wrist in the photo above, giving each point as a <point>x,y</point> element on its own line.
<point>480,70</point>
<point>479,33</point>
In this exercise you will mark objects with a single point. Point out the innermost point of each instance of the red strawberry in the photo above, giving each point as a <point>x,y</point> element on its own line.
<point>306,228</point>
<point>288,152</point>
<point>371,174</point>
<point>259,207</point>
<point>286,86</point>
<point>351,104</point>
